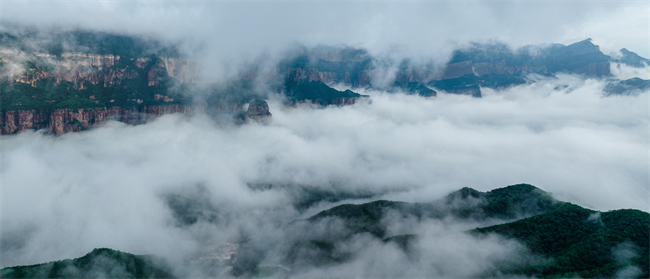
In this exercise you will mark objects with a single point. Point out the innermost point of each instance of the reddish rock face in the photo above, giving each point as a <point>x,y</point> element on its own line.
<point>62,121</point>
<point>25,119</point>
<point>10,125</point>
<point>83,69</point>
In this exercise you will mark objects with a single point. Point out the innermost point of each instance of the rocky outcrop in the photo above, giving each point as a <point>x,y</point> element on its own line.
<point>184,70</point>
<point>258,110</point>
<point>79,68</point>
<point>60,121</point>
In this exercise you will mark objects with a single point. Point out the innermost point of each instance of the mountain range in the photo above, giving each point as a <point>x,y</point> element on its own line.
<point>564,239</point>
<point>74,80</point>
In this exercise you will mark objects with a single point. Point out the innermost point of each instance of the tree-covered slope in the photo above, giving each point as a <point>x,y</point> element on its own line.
<point>57,42</point>
<point>582,242</point>
<point>565,240</point>
<point>315,90</point>
<point>100,263</point>
<point>508,203</point>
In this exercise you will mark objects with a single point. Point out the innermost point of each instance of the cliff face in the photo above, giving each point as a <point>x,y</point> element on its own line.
<point>492,65</point>
<point>79,68</point>
<point>61,121</point>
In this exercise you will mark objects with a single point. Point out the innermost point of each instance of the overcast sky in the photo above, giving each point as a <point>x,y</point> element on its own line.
<point>235,31</point>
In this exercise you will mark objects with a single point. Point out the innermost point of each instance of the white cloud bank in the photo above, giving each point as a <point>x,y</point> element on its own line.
<point>63,196</point>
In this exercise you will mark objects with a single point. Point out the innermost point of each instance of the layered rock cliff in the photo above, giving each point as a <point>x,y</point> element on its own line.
<point>83,69</point>
<point>60,121</point>
<point>63,88</point>
<point>480,65</point>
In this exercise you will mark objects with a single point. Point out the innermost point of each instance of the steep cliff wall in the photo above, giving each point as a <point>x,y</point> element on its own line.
<point>108,69</point>
<point>60,121</point>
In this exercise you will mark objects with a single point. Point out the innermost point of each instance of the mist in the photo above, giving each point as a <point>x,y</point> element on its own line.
<point>109,186</point>
<point>222,36</point>
<point>126,187</point>
<point>623,72</point>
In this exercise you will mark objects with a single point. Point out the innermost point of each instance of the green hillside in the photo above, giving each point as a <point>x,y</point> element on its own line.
<point>100,263</point>
<point>315,90</point>
<point>581,242</point>
<point>508,203</point>
<point>566,239</point>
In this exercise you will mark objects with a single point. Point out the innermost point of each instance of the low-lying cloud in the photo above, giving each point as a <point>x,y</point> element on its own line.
<point>623,71</point>
<point>109,186</point>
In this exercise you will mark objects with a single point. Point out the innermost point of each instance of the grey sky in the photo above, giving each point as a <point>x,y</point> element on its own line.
<point>236,31</point>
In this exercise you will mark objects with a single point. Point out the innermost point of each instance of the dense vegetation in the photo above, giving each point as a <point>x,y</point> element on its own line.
<point>568,240</point>
<point>47,94</point>
<point>315,90</point>
<point>512,202</point>
<point>57,42</point>
<point>581,242</point>
<point>100,263</point>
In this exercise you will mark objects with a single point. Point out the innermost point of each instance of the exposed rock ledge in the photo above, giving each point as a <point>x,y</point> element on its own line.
<point>61,121</point>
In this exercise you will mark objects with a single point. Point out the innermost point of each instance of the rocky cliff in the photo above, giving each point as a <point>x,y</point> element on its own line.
<point>71,85</point>
<point>60,121</point>
<point>480,65</point>
<point>83,69</point>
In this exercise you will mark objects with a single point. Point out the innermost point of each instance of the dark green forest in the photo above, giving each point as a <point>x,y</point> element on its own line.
<point>100,263</point>
<point>566,239</point>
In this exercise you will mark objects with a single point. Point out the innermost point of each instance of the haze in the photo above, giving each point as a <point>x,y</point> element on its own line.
<point>64,195</point>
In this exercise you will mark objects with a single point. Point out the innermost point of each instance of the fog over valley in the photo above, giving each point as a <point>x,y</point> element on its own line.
<point>312,140</point>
